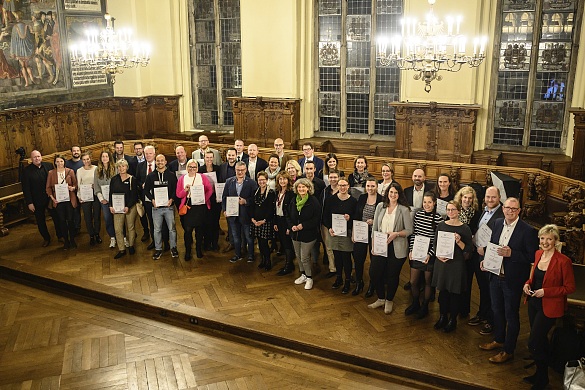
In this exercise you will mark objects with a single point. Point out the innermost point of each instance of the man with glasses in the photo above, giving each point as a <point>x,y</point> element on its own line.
<point>517,242</point>
<point>279,151</point>
<point>138,158</point>
<point>310,156</point>
<point>243,188</point>
<point>492,212</point>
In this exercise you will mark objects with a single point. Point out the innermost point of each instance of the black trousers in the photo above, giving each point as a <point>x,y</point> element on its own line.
<point>41,219</point>
<point>540,325</point>
<point>92,216</point>
<point>449,303</point>
<point>483,282</point>
<point>285,240</point>
<point>264,248</point>
<point>385,273</point>
<point>360,252</point>
<point>211,231</point>
<point>65,216</point>
<point>343,263</point>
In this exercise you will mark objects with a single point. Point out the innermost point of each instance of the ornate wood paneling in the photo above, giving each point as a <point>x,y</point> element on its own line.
<point>433,131</point>
<point>578,164</point>
<point>262,120</point>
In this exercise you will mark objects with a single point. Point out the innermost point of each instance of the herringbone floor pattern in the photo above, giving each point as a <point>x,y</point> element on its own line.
<point>242,291</point>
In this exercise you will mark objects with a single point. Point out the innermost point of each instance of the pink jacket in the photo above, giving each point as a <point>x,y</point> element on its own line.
<point>207,189</point>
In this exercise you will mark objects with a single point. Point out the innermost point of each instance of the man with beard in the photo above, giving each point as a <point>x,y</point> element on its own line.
<point>74,163</point>
<point>119,154</point>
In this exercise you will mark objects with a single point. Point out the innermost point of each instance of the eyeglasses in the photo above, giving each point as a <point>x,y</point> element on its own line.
<point>513,209</point>
<point>192,167</point>
<point>241,170</point>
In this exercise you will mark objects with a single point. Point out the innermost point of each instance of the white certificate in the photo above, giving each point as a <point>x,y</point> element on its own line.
<point>380,244</point>
<point>445,244</point>
<point>441,207</point>
<point>62,192</point>
<point>180,173</point>
<point>86,192</point>
<point>197,195</point>
<point>219,191</point>
<point>232,206</point>
<point>360,231</point>
<point>420,249</point>
<point>212,176</point>
<point>339,225</point>
<point>482,236</point>
<point>161,196</point>
<point>106,192</point>
<point>118,203</point>
<point>492,262</point>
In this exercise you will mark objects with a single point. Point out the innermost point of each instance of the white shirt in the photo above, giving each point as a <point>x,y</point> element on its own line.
<point>252,168</point>
<point>417,197</point>
<point>507,232</point>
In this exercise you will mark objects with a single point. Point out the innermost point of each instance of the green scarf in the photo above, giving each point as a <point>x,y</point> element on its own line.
<point>301,202</point>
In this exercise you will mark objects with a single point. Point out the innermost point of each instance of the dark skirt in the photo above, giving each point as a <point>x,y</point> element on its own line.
<point>196,216</point>
<point>265,231</point>
<point>428,267</point>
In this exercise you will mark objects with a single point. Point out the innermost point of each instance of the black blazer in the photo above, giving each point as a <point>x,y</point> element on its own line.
<point>524,243</point>
<point>499,213</point>
<point>140,175</point>
<point>131,164</point>
<point>222,176</point>
<point>34,182</point>
<point>266,209</point>
<point>173,166</point>
<point>319,164</point>
<point>310,217</point>
<point>261,165</point>
<point>361,203</point>
<point>409,192</point>
<point>248,190</point>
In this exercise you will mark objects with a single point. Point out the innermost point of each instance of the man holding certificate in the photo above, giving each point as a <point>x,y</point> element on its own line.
<point>238,195</point>
<point>160,187</point>
<point>392,222</point>
<point>517,243</point>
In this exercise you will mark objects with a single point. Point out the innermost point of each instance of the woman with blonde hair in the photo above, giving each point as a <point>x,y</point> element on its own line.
<point>551,280</point>
<point>293,169</point>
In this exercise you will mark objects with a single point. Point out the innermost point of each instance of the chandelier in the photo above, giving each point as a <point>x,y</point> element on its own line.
<point>110,50</point>
<point>428,47</point>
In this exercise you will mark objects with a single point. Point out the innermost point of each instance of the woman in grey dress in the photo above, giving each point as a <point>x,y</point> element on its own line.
<point>449,276</point>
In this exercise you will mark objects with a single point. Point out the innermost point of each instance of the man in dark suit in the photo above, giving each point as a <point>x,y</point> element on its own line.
<point>34,181</point>
<point>310,156</point>
<point>228,168</point>
<point>517,243</point>
<point>240,154</point>
<point>243,188</point>
<point>318,187</point>
<point>255,163</point>
<point>414,194</point>
<point>492,212</point>
<point>119,154</point>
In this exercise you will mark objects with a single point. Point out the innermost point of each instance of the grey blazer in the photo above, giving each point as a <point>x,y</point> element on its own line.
<point>196,155</point>
<point>402,221</point>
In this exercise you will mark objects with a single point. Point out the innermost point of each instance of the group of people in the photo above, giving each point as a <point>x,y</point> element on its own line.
<point>297,206</point>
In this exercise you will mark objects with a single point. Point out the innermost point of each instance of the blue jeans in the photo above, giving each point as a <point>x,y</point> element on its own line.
<point>236,229</point>
<point>506,309</point>
<point>108,219</point>
<point>167,214</point>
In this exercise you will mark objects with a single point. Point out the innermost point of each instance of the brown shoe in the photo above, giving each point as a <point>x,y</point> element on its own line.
<point>490,346</point>
<point>501,357</point>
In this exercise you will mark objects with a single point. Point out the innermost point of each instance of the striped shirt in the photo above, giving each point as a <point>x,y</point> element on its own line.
<point>425,224</point>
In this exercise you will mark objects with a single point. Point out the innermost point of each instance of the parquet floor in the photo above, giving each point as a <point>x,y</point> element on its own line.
<point>259,299</point>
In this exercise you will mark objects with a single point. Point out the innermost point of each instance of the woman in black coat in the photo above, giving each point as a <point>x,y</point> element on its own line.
<point>284,197</point>
<point>304,220</point>
<point>262,214</point>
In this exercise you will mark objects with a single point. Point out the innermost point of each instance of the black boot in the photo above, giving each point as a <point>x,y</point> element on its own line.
<point>289,266</point>
<point>338,282</point>
<point>262,263</point>
<point>423,311</point>
<point>346,287</point>
<point>358,288</point>
<point>370,290</point>
<point>441,323</point>
<point>541,375</point>
<point>413,308</point>
<point>451,325</point>
<point>268,264</point>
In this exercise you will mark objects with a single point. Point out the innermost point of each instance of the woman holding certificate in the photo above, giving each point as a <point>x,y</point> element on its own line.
<point>444,193</point>
<point>61,186</point>
<point>390,230</point>
<point>304,217</point>
<point>452,246</point>
<point>551,280</point>
<point>123,198</point>
<point>262,213</point>
<point>338,212</point>
<point>422,254</point>
<point>89,202</point>
<point>364,214</point>
<point>101,186</point>
<point>195,191</point>
<point>284,197</point>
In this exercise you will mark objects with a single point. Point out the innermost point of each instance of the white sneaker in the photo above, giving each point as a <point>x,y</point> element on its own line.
<point>301,279</point>
<point>377,304</point>
<point>309,284</point>
<point>112,242</point>
<point>126,244</point>
<point>388,306</point>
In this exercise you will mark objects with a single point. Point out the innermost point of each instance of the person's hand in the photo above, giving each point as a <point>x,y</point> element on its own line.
<point>104,201</point>
<point>427,259</point>
<point>480,251</point>
<point>346,217</point>
<point>112,210</point>
<point>242,201</point>
<point>443,259</point>
<point>505,251</point>
<point>31,207</point>
<point>526,289</point>
<point>481,266</point>
<point>187,187</point>
<point>170,203</point>
<point>275,228</point>
<point>153,204</point>
<point>538,293</point>
<point>370,222</point>
<point>331,232</point>
<point>410,255</point>
<point>391,237</point>
<point>125,210</point>
<point>287,232</point>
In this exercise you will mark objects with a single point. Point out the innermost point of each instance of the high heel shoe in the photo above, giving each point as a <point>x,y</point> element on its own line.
<point>370,291</point>
<point>345,288</point>
<point>358,288</point>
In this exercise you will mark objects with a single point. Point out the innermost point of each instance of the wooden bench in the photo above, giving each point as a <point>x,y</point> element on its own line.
<point>12,194</point>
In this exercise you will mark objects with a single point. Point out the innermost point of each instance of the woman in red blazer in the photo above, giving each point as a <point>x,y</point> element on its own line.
<point>551,280</point>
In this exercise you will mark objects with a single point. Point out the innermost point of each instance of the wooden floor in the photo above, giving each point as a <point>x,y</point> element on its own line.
<point>72,336</point>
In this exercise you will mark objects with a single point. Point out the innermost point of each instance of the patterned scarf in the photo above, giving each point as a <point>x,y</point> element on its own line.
<point>360,178</point>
